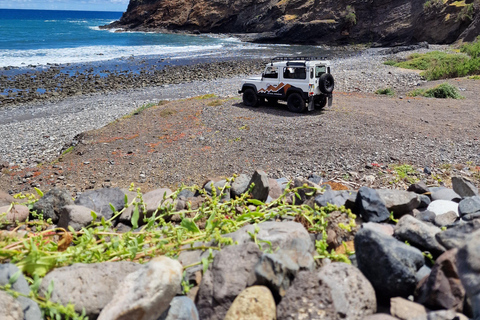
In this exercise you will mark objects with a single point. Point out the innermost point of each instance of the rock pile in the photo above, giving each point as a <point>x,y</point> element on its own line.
<point>425,265</point>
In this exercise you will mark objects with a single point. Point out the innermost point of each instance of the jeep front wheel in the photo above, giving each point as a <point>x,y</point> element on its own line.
<point>296,103</point>
<point>250,98</point>
<point>326,83</point>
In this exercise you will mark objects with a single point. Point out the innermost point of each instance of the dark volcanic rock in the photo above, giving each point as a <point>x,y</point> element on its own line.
<point>464,187</point>
<point>51,203</point>
<point>100,200</point>
<point>370,206</point>
<point>469,208</point>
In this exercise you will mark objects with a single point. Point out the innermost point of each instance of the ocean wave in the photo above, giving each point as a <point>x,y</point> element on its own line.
<point>21,58</point>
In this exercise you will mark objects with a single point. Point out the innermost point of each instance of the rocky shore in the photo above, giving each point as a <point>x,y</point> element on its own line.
<point>375,254</point>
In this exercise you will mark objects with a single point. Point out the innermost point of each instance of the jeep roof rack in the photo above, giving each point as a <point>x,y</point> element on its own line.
<point>306,58</point>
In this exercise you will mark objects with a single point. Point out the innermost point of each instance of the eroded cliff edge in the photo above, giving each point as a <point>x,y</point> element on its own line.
<point>379,22</point>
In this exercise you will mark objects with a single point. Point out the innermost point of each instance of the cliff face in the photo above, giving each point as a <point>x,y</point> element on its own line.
<point>382,22</point>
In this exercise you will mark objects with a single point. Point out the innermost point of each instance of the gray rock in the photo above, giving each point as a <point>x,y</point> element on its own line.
<point>146,293</point>
<point>277,270</point>
<point>469,208</point>
<point>468,264</point>
<point>99,201</point>
<point>282,182</point>
<point>10,309</point>
<point>5,199</point>
<point>155,199</point>
<point>442,206</point>
<point>77,217</point>
<point>442,289</point>
<point>419,187</point>
<point>315,179</point>
<point>186,193</point>
<point>307,298</point>
<point>445,315</point>
<point>181,308</point>
<point>380,316</point>
<point>427,216</point>
<point>14,214</point>
<point>398,201</point>
<point>304,193</point>
<point>261,189</point>
<point>275,190</point>
<point>464,187</point>
<point>405,309</point>
<point>384,228</point>
<point>446,194</point>
<point>29,308</point>
<point>422,273</point>
<point>419,234</point>
<point>353,295</point>
<point>389,265</point>
<point>456,236</point>
<point>240,185</point>
<point>231,271</point>
<point>445,219</point>
<point>91,286</point>
<point>51,203</point>
<point>338,198</point>
<point>369,206</point>
<point>424,201</point>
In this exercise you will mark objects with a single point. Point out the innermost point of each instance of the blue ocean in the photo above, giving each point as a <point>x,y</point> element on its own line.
<point>41,37</point>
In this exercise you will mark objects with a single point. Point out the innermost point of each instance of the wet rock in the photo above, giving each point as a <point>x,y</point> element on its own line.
<point>91,286</point>
<point>456,236</point>
<point>181,308</point>
<point>419,234</point>
<point>231,271</point>
<point>369,206</point>
<point>77,217</point>
<point>389,265</point>
<point>442,206</point>
<point>399,202</point>
<point>464,187</point>
<point>442,289</point>
<point>469,208</point>
<point>99,201</point>
<point>253,303</point>
<point>145,293</point>
<point>261,189</point>
<point>50,204</point>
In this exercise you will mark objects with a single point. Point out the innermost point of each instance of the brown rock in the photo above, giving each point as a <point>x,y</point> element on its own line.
<point>405,309</point>
<point>16,213</point>
<point>5,199</point>
<point>253,303</point>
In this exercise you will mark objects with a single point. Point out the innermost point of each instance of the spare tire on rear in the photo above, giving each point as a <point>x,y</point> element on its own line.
<point>326,83</point>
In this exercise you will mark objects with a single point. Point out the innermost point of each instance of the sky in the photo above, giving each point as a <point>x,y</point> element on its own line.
<point>84,5</point>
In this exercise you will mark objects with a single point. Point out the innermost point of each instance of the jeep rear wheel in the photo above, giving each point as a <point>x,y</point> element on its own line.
<point>296,103</point>
<point>250,98</point>
<point>326,83</point>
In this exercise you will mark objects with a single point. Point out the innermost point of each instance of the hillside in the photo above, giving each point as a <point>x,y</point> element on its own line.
<point>376,22</point>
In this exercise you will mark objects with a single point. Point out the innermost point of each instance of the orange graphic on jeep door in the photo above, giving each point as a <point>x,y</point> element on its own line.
<point>273,89</point>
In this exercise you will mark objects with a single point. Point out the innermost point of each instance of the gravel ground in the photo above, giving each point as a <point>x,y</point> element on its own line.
<point>36,132</point>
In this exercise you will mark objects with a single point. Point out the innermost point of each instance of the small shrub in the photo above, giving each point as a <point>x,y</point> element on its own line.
<point>390,62</point>
<point>466,14</point>
<point>350,16</point>
<point>386,91</point>
<point>442,91</point>
<point>472,49</point>
<point>167,112</point>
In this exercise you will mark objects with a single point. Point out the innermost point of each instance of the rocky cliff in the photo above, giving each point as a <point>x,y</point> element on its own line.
<point>380,22</point>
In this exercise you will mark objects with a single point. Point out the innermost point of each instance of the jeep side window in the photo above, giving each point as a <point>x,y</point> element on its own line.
<point>294,73</point>
<point>271,72</point>
<point>319,70</point>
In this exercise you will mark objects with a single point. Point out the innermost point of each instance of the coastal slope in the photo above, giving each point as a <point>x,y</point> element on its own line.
<point>378,22</point>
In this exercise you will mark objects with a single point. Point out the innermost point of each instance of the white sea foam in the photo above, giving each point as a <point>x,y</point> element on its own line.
<point>19,58</point>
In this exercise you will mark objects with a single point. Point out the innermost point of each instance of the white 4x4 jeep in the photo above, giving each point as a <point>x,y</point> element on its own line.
<point>300,81</point>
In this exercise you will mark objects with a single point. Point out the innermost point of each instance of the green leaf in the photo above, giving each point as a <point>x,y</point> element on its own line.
<point>205,264</point>
<point>36,262</point>
<point>112,208</point>
<point>256,202</point>
<point>249,216</point>
<point>49,290</point>
<point>126,200</point>
<point>94,215</point>
<point>14,278</point>
<point>189,225</point>
<point>40,193</point>
<point>135,216</point>
<point>211,223</point>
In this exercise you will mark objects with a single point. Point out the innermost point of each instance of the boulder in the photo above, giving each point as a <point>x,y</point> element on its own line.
<point>99,201</point>
<point>398,201</point>
<point>445,194</point>
<point>181,308</point>
<point>419,234</point>
<point>262,188</point>
<point>389,265</point>
<point>369,206</point>
<point>14,214</point>
<point>455,236</point>
<point>468,264</point>
<point>240,185</point>
<point>50,204</point>
<point>253,303</point>
<point>10,309</point>
<point>469,208</point>
<point>146,293</point>
<point>464,187</point>
<point>91,286</point>
<point>338,198</point>
<point>352,294</point>
<point>442,206</point>
<point>442,289</point>
<point>231,271</point>
<point>445,219</point>
<point>28,307</point>
<point>77,217</point>
<point>307,298</point>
